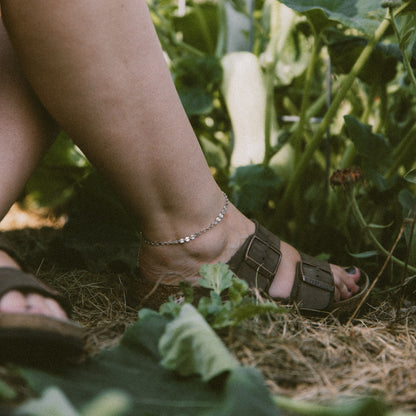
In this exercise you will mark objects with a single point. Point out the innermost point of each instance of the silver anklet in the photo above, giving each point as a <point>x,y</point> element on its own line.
<point>193,236</point>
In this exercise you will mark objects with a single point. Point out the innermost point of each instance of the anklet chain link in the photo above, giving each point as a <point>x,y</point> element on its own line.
<point>189,238</point>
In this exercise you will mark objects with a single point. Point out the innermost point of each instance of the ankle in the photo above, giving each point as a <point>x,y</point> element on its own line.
<point>173,263</point>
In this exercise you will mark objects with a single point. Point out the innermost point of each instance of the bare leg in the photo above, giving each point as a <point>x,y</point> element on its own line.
<point>25,129</point>
<point>98,68</point>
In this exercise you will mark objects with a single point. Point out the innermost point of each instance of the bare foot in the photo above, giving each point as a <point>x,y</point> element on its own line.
<point>181,262</point>
<point>30,303</point>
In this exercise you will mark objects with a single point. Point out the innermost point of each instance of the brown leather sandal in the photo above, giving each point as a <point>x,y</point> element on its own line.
<point>257,262</point>
<point>35,339</point>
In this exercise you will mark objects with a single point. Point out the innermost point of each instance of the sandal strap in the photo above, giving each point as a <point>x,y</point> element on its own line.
<point>15,279</point>
<point>258,258</point>
<point>257,262</point>
<point>314,286</point>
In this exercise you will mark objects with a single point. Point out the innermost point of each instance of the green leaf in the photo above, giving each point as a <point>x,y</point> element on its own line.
<point>411,176</point>
<point>53,182</point>
<point>252,187</point>
<point>189,346</point>
<point>199,27</point>
<point>408,202</point>
<point>217,277</point>
<point>134,368</point>
<point>99,233</point>
<point>237,290</point>
<point>362,407</point>
<point>196,78</point>
<point>53,402</point>
<point>233,315</point>
<point>379,226</point>
<point>375,150</point>
<point>345,50</point>
<point>6,392</point>
<point>196,100</point>
<point>365,254</point>
<point>110,403</point>
<point>364,15</point>
<point>245,395</point>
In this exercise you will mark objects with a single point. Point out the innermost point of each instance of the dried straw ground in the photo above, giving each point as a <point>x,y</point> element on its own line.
<point>321,361</point>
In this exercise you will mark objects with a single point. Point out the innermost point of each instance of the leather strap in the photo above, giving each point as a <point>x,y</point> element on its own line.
<point>313,287</point>
<point>257,262</point>
<point>258,258</point>
<point>15,279</point>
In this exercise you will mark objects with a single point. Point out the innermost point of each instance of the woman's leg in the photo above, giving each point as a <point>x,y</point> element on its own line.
<point>25,129</point>
<point>98,68</point>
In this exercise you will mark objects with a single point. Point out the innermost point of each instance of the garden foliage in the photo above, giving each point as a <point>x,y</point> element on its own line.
<point>320,87</point>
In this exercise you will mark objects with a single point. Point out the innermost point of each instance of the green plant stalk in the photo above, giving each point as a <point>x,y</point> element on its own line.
<point>402,151</point>
<point>348,156</point>
<point>269,80</point>
<point>363,224</point>
<point>350,152</point>
<point>382,119</point>
<point>370,102</point>
<point>204,27</point>
<point>297,137</point>
<point>170,33</point>
<point>270,72</point>
<point>330,114</point>
<point>222,30</point>
<point>405,57</point>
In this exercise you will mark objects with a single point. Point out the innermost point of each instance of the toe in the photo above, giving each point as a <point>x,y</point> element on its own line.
<point>33,303</point>
<point>44,306</point>
<point>55,309</point>
<point>13,302</point>
<point>345,281</point>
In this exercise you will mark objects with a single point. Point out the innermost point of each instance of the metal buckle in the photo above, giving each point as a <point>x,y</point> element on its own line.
<point>314,280</point>
<point>260,266</point>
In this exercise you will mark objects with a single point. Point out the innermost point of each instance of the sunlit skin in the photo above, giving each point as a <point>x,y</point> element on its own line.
<point>97,70</point>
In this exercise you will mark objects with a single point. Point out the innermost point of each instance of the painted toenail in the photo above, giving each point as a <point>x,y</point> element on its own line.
<point>351,270</point>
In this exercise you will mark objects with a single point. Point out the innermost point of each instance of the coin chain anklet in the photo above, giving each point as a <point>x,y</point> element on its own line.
<point>193,236</point>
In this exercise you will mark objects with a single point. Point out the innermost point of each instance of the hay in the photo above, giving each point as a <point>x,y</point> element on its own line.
<point>324,362</point>
<point>320,361</point>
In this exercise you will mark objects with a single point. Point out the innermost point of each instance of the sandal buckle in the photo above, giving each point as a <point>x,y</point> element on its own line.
<point>259,248</point>
<point>316,276</point>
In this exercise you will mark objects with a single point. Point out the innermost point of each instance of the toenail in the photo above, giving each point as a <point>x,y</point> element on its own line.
<point>351,270</point>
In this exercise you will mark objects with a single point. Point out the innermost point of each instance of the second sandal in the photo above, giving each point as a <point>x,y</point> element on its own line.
<point>257,262</point>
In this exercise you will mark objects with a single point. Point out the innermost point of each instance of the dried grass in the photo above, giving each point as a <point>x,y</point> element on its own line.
<point>313,360</point>
<point>323,361</point>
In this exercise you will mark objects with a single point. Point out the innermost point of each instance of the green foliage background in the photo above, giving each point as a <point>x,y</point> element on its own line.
<point>337,94</point>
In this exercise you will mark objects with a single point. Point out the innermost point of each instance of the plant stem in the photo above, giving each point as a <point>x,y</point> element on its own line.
<point>330,114</point>
<point>297,137</point>
<point>222,29</point>
<point>402,151</point>
<point>363,224</point>
<point>269,79</point>
<point>406,61</point>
